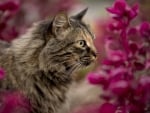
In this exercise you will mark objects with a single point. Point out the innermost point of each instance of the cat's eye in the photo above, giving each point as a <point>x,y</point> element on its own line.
<point>81,43</point>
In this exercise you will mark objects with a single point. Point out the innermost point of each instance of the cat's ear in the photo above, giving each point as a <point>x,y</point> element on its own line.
<point>80,15</point>
<point>60,23</point>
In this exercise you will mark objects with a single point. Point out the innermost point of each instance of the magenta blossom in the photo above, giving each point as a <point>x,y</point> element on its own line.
<point>108,108</point>
<point>145,30</point>
<point>7,10</point>
<point>13,102</point>
<point>124,74</point>
<point>2,73</point>
<point>122,11</point>
<point>15,15</point>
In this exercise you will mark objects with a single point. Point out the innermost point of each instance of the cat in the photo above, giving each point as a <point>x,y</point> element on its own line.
<point>41,62</point>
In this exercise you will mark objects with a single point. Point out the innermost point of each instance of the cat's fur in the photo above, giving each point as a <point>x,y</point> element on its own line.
<point>41,62</point>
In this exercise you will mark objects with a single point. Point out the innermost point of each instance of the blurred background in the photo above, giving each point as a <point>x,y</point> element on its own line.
<point>16,16</point>
<point>23,13</point>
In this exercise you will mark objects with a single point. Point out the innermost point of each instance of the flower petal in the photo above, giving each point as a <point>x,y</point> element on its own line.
<point>120,88</point>
<point>96,78</point>
<point>107,108</point>
<point>2,73</point>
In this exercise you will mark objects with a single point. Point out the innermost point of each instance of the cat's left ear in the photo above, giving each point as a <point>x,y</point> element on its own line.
<point>60,23</point>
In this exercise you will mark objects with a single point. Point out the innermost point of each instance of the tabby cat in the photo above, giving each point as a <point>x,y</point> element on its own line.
<point>40,63</point>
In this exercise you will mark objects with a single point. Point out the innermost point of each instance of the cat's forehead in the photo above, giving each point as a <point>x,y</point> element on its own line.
<point>83,34</point>
<point>82,27</point>
<point>86,28</point>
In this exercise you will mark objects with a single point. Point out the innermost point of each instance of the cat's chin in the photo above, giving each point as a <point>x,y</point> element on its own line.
<point>86,63</point>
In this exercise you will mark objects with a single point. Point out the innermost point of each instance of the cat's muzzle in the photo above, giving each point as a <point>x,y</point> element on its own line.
<point>86,61</point>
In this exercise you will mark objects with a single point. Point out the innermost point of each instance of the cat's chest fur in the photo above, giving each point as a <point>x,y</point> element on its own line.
<point>44,91</point>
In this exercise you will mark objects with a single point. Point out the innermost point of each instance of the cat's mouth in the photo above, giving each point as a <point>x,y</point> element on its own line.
<point>86,61</point>
<point>78,64</point>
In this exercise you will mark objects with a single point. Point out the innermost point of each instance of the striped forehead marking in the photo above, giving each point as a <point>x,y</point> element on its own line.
<point>84,26</point>
<point>88,38</point>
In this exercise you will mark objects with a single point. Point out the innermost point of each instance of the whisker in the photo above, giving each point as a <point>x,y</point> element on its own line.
<point>74,68</point>
<point>65,61</point>
<point>78,67</point>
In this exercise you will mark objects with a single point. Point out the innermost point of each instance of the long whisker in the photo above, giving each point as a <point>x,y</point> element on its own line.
<point>78,67</point>
<point>74,68</point>
<point>65,61</point>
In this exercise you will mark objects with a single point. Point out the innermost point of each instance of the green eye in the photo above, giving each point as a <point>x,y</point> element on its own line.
<point>81,43</point>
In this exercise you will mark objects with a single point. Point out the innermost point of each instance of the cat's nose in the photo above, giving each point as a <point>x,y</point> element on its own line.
<point>94,56</point>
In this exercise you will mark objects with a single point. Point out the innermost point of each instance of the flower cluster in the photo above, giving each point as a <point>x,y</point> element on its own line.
<point>7,11</point>
<point>2,73</point>
<point>12,101</point>
<point>125,72</point>
<point>17,15</point>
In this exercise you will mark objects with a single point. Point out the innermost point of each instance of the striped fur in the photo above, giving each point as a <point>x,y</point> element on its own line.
<point>40,63</point>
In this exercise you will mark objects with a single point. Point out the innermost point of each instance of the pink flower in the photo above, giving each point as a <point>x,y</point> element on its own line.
<point>9,5</point>
<point>13,102</point>
<point>134,47</point>
<point>145,29</point>
<point>108,108</point>
<point>8,10</point>
<point>121,10</point>
<point>15,15</point>
<point>115,26</point>
<point>2,73</point>
<point>120,88</point>
<point>97,78</point>
<point>124,73</point>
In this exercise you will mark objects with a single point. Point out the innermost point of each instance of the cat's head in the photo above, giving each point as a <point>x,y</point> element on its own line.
<point>69,42</point>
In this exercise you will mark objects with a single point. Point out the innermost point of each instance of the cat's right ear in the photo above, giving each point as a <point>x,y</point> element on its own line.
<point>80,15</point>
<point>60,23</point>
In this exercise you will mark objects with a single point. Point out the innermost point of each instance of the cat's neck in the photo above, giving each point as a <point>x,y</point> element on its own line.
<point>56,78</point>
